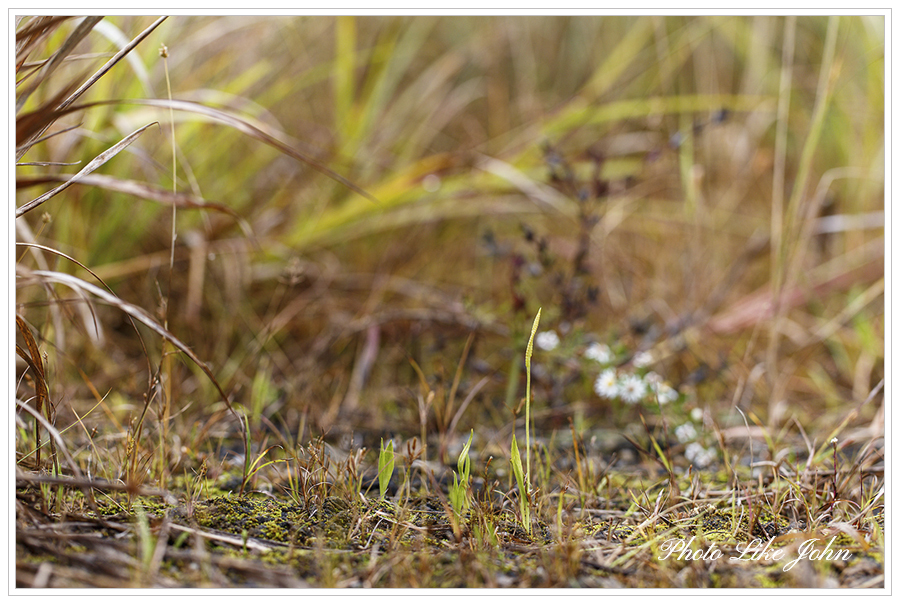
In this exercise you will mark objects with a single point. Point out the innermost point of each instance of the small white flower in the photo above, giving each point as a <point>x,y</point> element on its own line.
<point>653,378</point>
<point>698,455</point>
<point>685,432</point>
<point>642,359</point>
<point>547,340</point>
<point>607,385</point>
<point>632,389</point>
<point>697,414</point>
<point>665,393</point>
<point>599,352</point>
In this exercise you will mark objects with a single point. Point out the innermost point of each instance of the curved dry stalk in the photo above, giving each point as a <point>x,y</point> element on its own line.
<point>141,190</point>
<point>62,255</point>
<point>92,165</point>
<point>97,277</point>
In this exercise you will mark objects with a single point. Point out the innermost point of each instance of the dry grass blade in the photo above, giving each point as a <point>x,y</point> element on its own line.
<point>252,131</point>
<point>68,46</point>
<point>33,358</point>
<point>251,544</point>
<point>62,255</point>
<point>93,165</point>
<point>30,126</point>
<point>33,32</point>
<point>143,191</point>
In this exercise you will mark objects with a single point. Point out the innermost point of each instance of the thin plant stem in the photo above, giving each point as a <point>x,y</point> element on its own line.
<point>167,358</point>
<point>528,352</point>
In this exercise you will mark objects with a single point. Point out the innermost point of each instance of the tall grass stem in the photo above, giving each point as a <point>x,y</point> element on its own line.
<point>167,358</point>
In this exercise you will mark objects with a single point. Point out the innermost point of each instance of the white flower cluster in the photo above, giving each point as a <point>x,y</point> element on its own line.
<point>600,353</point>
<point>632,388</point>
<point>698,455</point>
<point>547,340</point>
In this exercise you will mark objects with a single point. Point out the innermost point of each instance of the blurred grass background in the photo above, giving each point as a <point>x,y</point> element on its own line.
<point>696,164</point>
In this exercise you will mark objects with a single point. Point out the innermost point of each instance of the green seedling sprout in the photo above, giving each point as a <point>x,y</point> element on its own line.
<point>245,477</point>
<point>385,466</point>
<point>528,352</point>
<point>459,492</point>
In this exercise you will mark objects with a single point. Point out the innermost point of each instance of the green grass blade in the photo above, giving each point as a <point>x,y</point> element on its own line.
<point>385,466</point>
